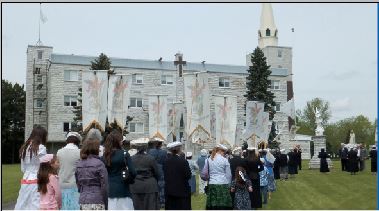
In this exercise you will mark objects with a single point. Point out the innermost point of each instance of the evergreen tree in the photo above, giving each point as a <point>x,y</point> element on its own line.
<point>101,63</point>
<point>258,86</point>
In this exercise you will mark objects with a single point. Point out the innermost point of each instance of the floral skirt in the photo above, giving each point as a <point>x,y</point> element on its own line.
<point>70,199</point>
<point>92,206</point>
<point>271,183</point>
<point>218,197</point>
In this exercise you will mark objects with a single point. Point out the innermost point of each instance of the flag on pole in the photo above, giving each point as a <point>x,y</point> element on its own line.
<point>118,99</point>
<point>42,17</point>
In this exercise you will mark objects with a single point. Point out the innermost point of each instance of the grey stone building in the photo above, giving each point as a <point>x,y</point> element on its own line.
<point>53,80</point>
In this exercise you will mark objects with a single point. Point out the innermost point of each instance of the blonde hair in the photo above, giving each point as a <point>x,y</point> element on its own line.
<point>215,151</point>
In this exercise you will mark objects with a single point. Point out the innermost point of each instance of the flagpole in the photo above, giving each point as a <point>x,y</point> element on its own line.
<point>39,26</point>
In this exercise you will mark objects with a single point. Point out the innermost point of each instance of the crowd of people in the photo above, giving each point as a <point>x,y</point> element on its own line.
<point>353,158</point>
<point>97,174</point>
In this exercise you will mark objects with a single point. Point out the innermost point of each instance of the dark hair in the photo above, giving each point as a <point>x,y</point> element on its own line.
<point>37,137</point>
<point>158,145</point>
<point>43,175</point>
<point>90,147</point>
<point>112,143</point>
<point>73,139</point>
<point>239,180</point>
<point>175,150</point>
<point>252,156</point>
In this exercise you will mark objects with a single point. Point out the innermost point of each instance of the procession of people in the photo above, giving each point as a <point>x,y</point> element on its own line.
<point>91,173</point>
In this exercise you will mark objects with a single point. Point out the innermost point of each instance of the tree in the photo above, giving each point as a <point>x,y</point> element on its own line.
<point>308,117</point>
<point>101,63</point>
<point>12,120</point>
<point>258,86</point>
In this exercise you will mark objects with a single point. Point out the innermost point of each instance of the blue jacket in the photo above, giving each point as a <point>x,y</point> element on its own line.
<point>117,187</point>
<point>201,162</point>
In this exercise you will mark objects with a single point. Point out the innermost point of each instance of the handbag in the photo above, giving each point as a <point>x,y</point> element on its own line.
<point>125,172</point>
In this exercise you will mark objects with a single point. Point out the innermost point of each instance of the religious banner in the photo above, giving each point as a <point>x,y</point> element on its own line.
<point>175,122</point>
<point>94,98</point>
<point>118,99</point>
<point>196,92</point>
<point>289,108</point>
<point>158,116</point>
<point>226,119</point>
<point>254,119</point>
<point>265,122</point>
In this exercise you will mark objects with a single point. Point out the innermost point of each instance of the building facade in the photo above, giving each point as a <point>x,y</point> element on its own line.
<point>53,81</point>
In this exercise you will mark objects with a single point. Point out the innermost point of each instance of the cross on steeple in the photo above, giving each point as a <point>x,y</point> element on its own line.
<point>179,62</point>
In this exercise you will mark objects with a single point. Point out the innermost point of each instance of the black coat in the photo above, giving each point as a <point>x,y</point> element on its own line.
<point>283,160</point>
<point>277,167</point>
<point>235,162</point>
<point>292,163</point>
<point>352,157</point>
<point>176,175</point>
<point>374,161</point>
<point>323,162</point>
<point>253,169</point>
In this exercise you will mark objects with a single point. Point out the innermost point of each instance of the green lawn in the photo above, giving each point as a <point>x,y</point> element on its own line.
<point>309,190</point>
<point>11,176</point>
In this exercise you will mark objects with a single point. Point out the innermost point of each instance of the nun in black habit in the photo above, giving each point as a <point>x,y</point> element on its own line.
<point>323,163</point>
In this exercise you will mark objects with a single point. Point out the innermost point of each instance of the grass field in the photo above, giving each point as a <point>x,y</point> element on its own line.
<point>310,189</point>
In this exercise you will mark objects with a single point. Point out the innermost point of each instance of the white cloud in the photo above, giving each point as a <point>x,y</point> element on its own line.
<point>343,104</point>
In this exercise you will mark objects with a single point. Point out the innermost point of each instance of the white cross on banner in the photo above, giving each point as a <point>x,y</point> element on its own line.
<point>175,113</point>
<point>226,119</point>
<point>158,116</point>
<point>254,119</point>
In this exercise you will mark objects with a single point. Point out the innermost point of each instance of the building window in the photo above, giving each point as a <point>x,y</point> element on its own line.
<point>136,127</point>
<point>136,102</point>
<point>70,100</point>
<point>37,70</point>
<point>137,78</point>
<point>280,53</point>
<point>66,126</point>
<point>268,32</point>
<point>274,84</point>
<point>39,54</point>
<point>181,134</point>
<point>39,79</point>
<point>167,80</point>
<point>181,123</point>
<point>71,75</point>
<point>223,82</point>
<point>38,103</point>
<point>277,107</point>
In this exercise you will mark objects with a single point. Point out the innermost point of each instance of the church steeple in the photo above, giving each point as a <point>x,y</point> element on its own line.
<point>267,33</point>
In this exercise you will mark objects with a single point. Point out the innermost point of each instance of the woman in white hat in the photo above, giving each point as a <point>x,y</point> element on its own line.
<point>145,188</point>
<point>177,172</point>
<point>217,170</point>
<point>68,157</point>
<point>194,167</point>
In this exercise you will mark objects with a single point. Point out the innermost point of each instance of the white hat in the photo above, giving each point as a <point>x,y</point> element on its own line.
<point>123,138</point>
<point>157,139</point>
<point>189,154</point>
<point>237,151</point>
<point>251,148</point>
<point>222,147</point>
<point>260,150</point>
<point>174,144</point>
<point>77,135</point>
<point>282,150</point>
<point>140,141</point>
<point>46,158</point>
<point>132,152</point>
<point>203,152</point>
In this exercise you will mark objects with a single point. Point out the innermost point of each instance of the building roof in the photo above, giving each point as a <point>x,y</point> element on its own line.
<point>157,65</point>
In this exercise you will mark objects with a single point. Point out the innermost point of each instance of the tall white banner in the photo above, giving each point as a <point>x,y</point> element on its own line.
<point>158,116</point>
<point>118,99</point>
<point>289,108</point>
<point>196,90</point>
<point>226,119</point>
<point>175,113</point>
<point>94,98</point>
<point>254,119</point>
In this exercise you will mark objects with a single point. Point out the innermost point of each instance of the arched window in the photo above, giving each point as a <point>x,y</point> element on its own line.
<point>268,32</point>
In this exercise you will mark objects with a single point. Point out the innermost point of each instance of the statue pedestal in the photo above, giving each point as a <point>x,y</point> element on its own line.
<point>319,143</point>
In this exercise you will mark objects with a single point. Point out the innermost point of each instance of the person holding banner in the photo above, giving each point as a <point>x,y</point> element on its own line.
<point>254,166</point>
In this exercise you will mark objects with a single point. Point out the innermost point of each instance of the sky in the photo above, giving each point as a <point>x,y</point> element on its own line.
<point>334,45</point>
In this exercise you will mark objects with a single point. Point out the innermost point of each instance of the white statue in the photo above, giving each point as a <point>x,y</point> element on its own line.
<point>319,129</point>
<point>352,137</point>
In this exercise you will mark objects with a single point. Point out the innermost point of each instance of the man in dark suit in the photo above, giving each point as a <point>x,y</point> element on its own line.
<point>176,175</point>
